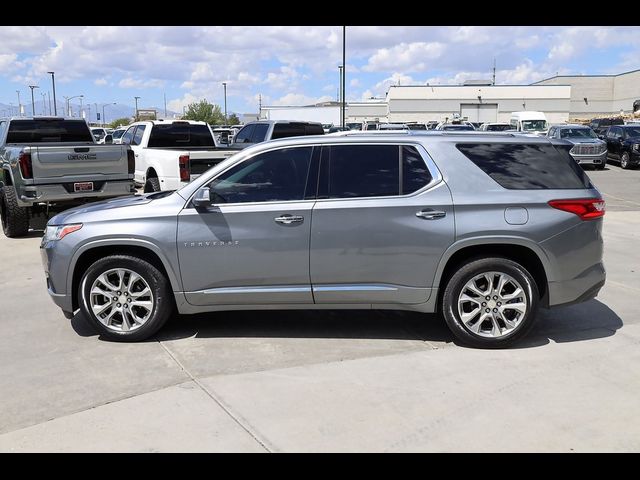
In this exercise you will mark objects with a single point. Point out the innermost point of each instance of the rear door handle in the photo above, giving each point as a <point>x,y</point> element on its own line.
<point>289,219</point>
<point>429,214</point>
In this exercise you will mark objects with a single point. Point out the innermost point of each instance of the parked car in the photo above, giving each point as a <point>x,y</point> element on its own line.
<point>264,130</point>
<point>495,127</point>
<point>529,122</point>
<point>99,134</point>
<point>587,148</point>
<point>416,126</point>
<point>456,127</point>
<point>117,134</point>
<point>48,164</point>
<point>469,229</point>
<point>600,125</point>
<point>623,145</point>
<point>354,125</point>
<point>171,153</point>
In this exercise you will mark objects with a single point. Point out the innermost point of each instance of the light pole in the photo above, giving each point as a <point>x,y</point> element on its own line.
<point>19,104</point>
<point>344,72</point>
<point>68,99</point>
<point>53,81</point>
<point>81,112</point>
<point>340,95</point>
<point>136,98</point>
<point>224,84</point>
<point>97,112</point>
<point>104,120</point>
<point>33,102</point>
<point>44,103</point>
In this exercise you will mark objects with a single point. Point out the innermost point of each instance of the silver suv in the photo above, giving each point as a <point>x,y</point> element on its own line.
<point>484,228</point>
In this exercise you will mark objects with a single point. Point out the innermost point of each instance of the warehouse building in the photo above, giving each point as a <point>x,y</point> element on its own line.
<point>599,95</point>
<point>478,101</point>
<point>377,110</point>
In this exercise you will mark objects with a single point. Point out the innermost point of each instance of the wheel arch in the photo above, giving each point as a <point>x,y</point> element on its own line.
<point>522,251</point>
<point>93,251</point>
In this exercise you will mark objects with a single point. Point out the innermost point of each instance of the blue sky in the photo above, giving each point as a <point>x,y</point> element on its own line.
<point>292,65</point>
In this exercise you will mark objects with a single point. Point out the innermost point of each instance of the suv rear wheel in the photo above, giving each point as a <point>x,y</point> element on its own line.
<point>490,303</point>
<point>125,298</point>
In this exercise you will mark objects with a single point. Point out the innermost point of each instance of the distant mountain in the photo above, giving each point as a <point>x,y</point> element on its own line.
<point>111,111</point>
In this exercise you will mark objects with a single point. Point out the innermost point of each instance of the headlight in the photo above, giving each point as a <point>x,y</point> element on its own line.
<point>54,233</point>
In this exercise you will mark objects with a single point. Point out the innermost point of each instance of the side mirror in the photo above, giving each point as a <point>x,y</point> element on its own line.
<point>108,139</point>
<point>202,198</point>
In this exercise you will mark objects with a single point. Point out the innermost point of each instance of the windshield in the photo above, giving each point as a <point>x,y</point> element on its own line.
<point>632,131</point>
<point>180,135</point>
<point>48,130</point>
<point>529,125</point>
<point>577,133</point>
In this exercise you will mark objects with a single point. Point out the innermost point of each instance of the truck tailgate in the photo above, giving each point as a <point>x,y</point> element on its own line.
<point>91,162</point>
<point>201,161</point>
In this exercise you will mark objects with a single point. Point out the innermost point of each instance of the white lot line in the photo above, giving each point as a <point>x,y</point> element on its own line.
<point>621,199</point>
<point>263,443</point>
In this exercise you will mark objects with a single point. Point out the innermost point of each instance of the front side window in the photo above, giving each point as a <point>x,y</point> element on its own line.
<point>137,137</point>
<point>259,133</point>
<point>275,176</point>
<point>128,136</point>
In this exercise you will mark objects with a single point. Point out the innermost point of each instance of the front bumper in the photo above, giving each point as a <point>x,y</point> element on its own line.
<point>57,193</point>
<point>55,276</point>
<point>599,159</point>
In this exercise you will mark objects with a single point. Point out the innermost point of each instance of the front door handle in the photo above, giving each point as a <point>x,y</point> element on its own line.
<point>429,214</point>
<point>289,219</point>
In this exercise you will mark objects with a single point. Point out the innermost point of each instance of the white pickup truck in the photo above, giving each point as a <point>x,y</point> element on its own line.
<point>170,153</point>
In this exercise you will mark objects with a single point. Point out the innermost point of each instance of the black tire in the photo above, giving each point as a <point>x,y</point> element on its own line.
<point>152,185</point>
<point>625,162</point>
<point>15,219</point>
<point>476,267</point>
<point>163,304</point>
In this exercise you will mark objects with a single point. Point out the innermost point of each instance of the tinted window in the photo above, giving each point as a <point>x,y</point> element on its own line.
<point>137,137</point>
<point>415,174</point>
<point>128,136</point>
<point>363,171</point>
<point>632,131</point>
<point>42,130</point>
<point>279,175</point>
<point>180,135</point>
<point>118,134</point>
<point>527,166</point>
<point>284,130</point>
<point>313,129</point>
<point>498,128</point>
<point>259,132</point>
<point>245,134</point>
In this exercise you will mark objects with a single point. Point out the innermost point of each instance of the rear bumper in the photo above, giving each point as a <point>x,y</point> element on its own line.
<point>56,193</point>
<point>584,287</point>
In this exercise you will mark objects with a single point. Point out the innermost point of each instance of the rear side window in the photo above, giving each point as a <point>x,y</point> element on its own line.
<point>285,130</point>
<point>45,130</point>
<point>137,137</point>
<point>180,135</point>
<point>527,166</point>
<point>415,173</point>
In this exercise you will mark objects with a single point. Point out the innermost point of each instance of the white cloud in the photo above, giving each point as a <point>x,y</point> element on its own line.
<point>130,82</point>
<point>562,52</point>
<point>100,81</point>
<point>410,57</point>
<point>300,99</point>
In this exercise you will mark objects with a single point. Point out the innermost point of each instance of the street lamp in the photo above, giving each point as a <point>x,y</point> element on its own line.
<point>340,67</point>
<point>344,72</point>
<point>136,98</point>
<point>224,84</point>
<point>33,102</point>
<point>104,120</point>
<point>53,81</point>
<point>68,99</point>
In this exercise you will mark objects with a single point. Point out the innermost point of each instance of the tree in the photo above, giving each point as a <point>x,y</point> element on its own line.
<point>233,119</point>
<point>204,111</point>
<point>120,122</point>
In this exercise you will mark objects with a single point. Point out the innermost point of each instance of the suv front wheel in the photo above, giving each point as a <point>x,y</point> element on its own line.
<point>490,303</point>
<point>125,298</point>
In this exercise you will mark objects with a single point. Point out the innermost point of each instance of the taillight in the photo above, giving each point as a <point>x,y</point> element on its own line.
<point>185,168</point>
<point>25,164</point>
<point>585,208</point>
<point>131,162</point>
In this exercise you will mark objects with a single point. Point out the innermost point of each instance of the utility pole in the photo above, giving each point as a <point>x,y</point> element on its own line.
<point>344,72</point>
<point>494,70</point>
<point>49,97</point>
<point>137,98</point>
<point>340,67</point>
<point>224,84</point>
<point>53,81</point>
<point>33,102</point>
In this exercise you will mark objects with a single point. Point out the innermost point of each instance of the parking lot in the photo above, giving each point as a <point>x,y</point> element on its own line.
<point>326,381</point>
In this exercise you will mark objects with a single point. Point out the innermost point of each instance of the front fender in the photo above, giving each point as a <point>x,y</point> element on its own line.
<point>174,277</point>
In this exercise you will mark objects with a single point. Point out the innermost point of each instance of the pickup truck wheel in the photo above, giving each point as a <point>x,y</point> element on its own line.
<point>624,160</point>
<point>125,298</point>
<point>490,303</point>
<point>15,219</point>
<point>152,185</point>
